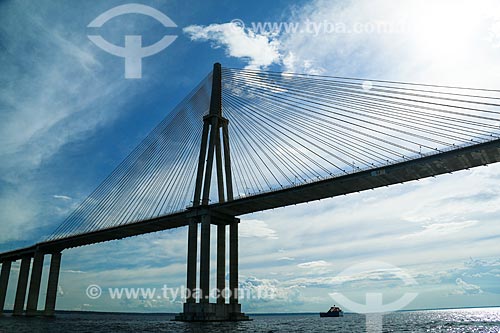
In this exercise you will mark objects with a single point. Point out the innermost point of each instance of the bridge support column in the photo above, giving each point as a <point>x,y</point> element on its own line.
<point>221,264</point>
<point>192,261</point>
<point>214,148</point>
<point>22,283</point>
<point>34,288</point>
<point>4,282</point>
<point>233,261</point>
<point>50,300</point>
<point>203,310</point>
<point>205,260</point>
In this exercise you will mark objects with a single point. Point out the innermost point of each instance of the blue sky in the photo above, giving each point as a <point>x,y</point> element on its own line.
<point>68,117</point>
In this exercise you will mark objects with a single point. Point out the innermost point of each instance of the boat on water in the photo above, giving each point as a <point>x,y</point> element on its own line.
<point>334,311</point>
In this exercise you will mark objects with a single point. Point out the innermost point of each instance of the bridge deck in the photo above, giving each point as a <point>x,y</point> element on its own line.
<point>433,165</point>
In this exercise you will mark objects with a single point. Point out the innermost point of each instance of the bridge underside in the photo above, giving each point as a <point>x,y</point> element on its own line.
<point>434,165</point>
<point>429,166</point>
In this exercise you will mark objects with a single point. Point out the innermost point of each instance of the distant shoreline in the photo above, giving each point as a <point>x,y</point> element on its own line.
<point>249,313</point>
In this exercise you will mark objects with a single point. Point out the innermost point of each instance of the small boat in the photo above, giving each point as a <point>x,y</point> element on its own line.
<point>334,311</point>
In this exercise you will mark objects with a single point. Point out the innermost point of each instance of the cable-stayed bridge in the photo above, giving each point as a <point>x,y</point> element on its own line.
<point>245,141</point>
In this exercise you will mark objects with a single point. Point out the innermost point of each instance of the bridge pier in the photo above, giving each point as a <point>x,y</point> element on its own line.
<point>22,283</point>
<point>50,300</point>
<point>35,281</point>
<point>233,263</point>
<point>34,284</point>
<point>192,261</point>
<point>221,263</point>
<point>4,282</point>
<point>205,260</point>
<point>202,309</point>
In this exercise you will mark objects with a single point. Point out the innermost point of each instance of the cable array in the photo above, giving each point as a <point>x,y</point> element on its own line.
<point>156,179</point>
<point>286,130</point>
<point>289,129</point>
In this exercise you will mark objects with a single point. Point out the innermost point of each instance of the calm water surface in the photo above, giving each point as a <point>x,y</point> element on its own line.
<point>465,320</point>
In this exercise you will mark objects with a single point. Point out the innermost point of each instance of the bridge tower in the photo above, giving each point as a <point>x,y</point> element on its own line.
<point>214,148</point>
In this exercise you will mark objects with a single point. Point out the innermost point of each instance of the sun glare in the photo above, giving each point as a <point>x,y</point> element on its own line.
<point>444,30</point>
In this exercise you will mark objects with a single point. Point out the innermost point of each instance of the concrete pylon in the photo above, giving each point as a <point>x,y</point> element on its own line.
<point>233,262</point>
<point>35,281</point>
<point>205,260</point>
<point>221,263</point>
<point>22,283</point>
<point>50,300</point>
<point>203,310</point>
<point>192,259</point>
<point>4,282</point>
<point>214,149</point>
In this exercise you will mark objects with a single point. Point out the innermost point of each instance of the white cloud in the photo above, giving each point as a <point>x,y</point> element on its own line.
<point>421,41</point>
<point>30,136</point>
<point>259,50</point>
<point>61,197</point>
<point>467,288</point>
<point>18,214</point>
<point>256,228</point>
<point>72,271</point>
<point>59,96</point>
<point>269,292</point>
<point>440,229</point>
<point>408,41</point>
<point>286,258</point>
<point>314,264</point>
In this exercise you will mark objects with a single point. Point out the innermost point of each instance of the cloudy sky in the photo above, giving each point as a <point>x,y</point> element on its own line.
<point>68,117</point>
